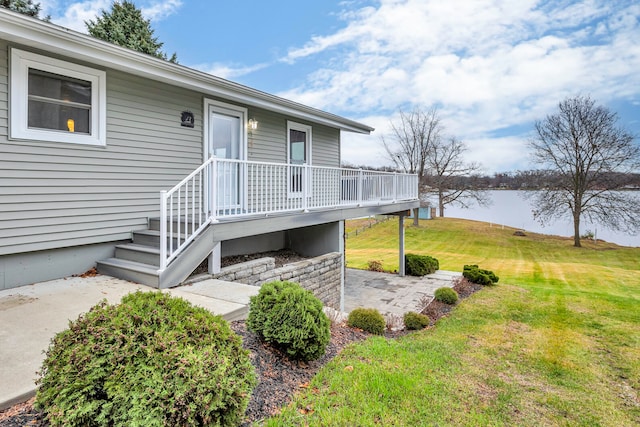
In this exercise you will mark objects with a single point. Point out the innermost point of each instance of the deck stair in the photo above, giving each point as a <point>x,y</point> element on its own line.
<point>139,261</point>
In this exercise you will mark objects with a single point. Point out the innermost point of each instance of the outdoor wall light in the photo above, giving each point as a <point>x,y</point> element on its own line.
<point>253,124</point>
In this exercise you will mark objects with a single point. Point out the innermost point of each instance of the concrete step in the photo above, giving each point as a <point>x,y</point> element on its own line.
<point>145,274</point>
<point>138,253</point>
<point>220,297</point>
<point>139,261</point>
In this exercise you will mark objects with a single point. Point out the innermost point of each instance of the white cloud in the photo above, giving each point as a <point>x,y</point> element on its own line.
<point>488,64</point>
<point>158,10</point>
<point>496,154</point>
<point>73,15</point>
<point>499,154</point>
<point>227,71</point>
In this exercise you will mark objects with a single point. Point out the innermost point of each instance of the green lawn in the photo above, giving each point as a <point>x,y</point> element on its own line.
<point>557,342</point>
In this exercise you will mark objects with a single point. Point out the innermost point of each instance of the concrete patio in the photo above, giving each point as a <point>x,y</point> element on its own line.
<point>390,293</point>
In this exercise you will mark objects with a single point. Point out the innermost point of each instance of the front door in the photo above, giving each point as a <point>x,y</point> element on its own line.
<point>226,140</point>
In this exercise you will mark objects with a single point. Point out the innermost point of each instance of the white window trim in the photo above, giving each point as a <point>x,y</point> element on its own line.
<point>21,61</point>
<point>307,129</point>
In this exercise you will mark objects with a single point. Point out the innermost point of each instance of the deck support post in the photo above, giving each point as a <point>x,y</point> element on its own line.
<point>342,238</point>
<point>401,271</point>
<point>214,259</point>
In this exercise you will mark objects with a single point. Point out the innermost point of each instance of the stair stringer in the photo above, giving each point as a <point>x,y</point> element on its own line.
<point>183,265</point>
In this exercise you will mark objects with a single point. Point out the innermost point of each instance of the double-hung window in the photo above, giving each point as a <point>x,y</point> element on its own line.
<point>53,100</point>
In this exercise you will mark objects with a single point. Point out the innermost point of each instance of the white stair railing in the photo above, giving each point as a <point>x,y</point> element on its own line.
<point>225,188</point>
<point>183,213</point>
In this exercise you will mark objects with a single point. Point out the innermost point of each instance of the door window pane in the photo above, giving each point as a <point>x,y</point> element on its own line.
<point>298,143</point>
<point>225,137</point>
<point>225,144</point>
<point>297,156</point>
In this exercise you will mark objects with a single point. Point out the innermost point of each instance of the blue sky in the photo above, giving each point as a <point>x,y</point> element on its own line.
<point>492,67</point>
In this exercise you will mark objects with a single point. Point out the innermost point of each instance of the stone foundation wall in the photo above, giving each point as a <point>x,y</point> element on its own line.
<point>320,275</point>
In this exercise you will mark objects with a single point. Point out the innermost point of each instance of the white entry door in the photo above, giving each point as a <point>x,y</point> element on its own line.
<point>226,136</point>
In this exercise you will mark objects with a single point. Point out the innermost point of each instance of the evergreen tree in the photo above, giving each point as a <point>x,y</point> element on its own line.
<point>27,7</point>
<point>124,25</point>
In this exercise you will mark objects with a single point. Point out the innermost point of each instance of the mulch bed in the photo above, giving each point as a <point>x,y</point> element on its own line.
<point>437,309</point>
<point>278,377</point>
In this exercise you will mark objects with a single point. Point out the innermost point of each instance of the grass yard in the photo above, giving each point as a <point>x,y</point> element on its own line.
<point>556,342</point>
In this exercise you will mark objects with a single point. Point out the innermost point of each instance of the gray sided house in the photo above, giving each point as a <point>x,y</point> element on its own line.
<point>145,168</point>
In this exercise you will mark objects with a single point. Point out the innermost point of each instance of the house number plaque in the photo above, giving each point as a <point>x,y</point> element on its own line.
<point>187,119</point>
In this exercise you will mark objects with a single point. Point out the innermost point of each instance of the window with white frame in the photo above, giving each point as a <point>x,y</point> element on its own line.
<point>299,154</point>
<point>54,100</point>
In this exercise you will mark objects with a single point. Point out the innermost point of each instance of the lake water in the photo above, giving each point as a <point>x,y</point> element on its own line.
<point>511,209</point>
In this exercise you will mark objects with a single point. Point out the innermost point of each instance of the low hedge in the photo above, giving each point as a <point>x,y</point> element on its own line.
<point>420,265</point>
<point>478,275</point>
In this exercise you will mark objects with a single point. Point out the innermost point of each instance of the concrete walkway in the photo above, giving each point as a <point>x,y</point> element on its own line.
<point>31,315</point>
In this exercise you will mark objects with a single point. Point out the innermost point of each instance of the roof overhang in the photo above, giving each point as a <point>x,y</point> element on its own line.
<point>27,31</point>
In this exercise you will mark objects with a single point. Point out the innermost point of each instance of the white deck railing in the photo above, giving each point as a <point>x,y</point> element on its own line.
<point>223,189</point>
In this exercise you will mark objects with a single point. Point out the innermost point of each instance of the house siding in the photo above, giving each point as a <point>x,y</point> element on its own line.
<point>326,146</point>
<point>58,195</point>
<point>268,143</point>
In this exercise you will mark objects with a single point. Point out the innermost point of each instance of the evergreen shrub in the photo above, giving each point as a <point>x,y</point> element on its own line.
<point>291,318</point>
<point>367,319</point>
<point>420,265</point>
<point>152,360</point>
<point>477,275</point>
<point>446,295</point>
<point>415,321</point>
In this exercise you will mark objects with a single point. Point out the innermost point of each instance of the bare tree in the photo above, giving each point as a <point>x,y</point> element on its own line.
<point>450,178</point>
<point>587,154</point>
<point>411,140</point>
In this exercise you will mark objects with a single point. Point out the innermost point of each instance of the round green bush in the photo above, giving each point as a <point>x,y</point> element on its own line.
<point>367,319</point>
<point>291,318</point>
<point>446,295</point>
<point>415,321</point>
<point>151,360</point>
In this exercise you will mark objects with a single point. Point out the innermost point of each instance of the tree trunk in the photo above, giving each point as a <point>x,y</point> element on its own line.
<point>576,230</point>
<point>416,219</point>
<point>440,204</point>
